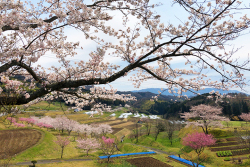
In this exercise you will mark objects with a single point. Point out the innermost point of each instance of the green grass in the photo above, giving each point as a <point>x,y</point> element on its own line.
<point>47,149</point>
<point>235,123</point>
<point>161,143</point>
<point>43,105</point>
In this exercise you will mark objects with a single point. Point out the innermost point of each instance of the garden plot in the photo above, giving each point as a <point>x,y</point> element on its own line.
<point>147,162</point>
<point>16,141</point>
<point>230,148</point>
<point>225,144</point>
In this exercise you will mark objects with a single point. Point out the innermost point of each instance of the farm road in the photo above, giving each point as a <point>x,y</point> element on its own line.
<point>70,160</point>
<point>50,161</point>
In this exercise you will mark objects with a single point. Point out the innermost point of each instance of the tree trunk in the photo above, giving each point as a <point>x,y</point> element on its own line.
<point>62,152</point>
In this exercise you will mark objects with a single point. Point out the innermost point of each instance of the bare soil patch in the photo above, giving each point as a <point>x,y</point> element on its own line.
<point>179,162</point>
<point>17,140</point>
<point>232,139</point>
<point>147,162</point>
<point>228,148</point>
<point>225,144</point>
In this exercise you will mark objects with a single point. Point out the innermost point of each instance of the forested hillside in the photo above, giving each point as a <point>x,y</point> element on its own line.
<point>234,106</point>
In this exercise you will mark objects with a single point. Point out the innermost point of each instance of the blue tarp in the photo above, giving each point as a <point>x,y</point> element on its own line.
<point>119,155</point>
<point>184,160</point>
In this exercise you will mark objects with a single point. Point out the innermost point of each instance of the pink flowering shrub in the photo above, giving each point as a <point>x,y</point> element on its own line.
<point>18,124</point>
<point>11,119</point>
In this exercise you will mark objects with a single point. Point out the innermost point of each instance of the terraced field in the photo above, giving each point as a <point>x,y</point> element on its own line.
<point>230,145</point>
<point>147,162</point>
<point>17,140</point>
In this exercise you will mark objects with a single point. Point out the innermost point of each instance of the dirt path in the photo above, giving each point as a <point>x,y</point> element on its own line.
<point>50,161</point>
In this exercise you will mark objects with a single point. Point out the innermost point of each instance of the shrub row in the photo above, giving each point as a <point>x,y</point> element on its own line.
<point>224,153</point>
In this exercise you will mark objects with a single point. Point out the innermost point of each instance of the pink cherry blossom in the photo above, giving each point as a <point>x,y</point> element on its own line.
<point>207,116</point>
<point>62,142</point>
<point>88,144</point>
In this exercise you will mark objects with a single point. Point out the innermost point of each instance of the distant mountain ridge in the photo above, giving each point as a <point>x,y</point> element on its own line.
<point>188,93</point>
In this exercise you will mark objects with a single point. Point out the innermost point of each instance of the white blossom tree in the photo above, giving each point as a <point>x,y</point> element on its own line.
<point>30,30</point>
<point>105,128</point>
<point>88,144</point>
<point>204,116</point>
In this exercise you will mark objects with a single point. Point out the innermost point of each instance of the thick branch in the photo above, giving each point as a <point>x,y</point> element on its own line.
<point>6,66</point>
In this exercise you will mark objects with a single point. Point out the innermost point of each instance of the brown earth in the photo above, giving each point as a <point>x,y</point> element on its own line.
<point>228,148</point>
<point>147,162</point>
<point>226,144</point>
<point>17,140</point>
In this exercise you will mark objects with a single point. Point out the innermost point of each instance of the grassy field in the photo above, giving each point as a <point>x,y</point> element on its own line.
<point>43,105</point>
<point>47,149</point>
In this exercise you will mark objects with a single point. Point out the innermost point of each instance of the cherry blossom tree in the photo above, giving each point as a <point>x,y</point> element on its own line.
<point>70,125</point>
<point>245,117</point>
<point>29,31</point>
<point>85,129</point>
<point>206,115</point>
<point>88,144</point>
<point>198,142</point>
<point>60,123</point>
<point>62,142</point>
<point>96,130</point>
<point>105,128</point>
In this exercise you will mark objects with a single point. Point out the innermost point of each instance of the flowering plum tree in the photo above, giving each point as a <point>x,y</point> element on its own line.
<point>206,115</point>
<point>62,142</point>
<point>29,31</point>
<point>88,144</point>
<point>198,141</point>
<point>108,146</point>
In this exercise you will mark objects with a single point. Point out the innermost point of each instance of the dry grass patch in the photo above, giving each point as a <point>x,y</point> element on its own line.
<point>123,125</point>
<point>108,122</point>
<point>123,132</point>
<point>79,117</point>
<point>112,118</point>
<point>66,164</point>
